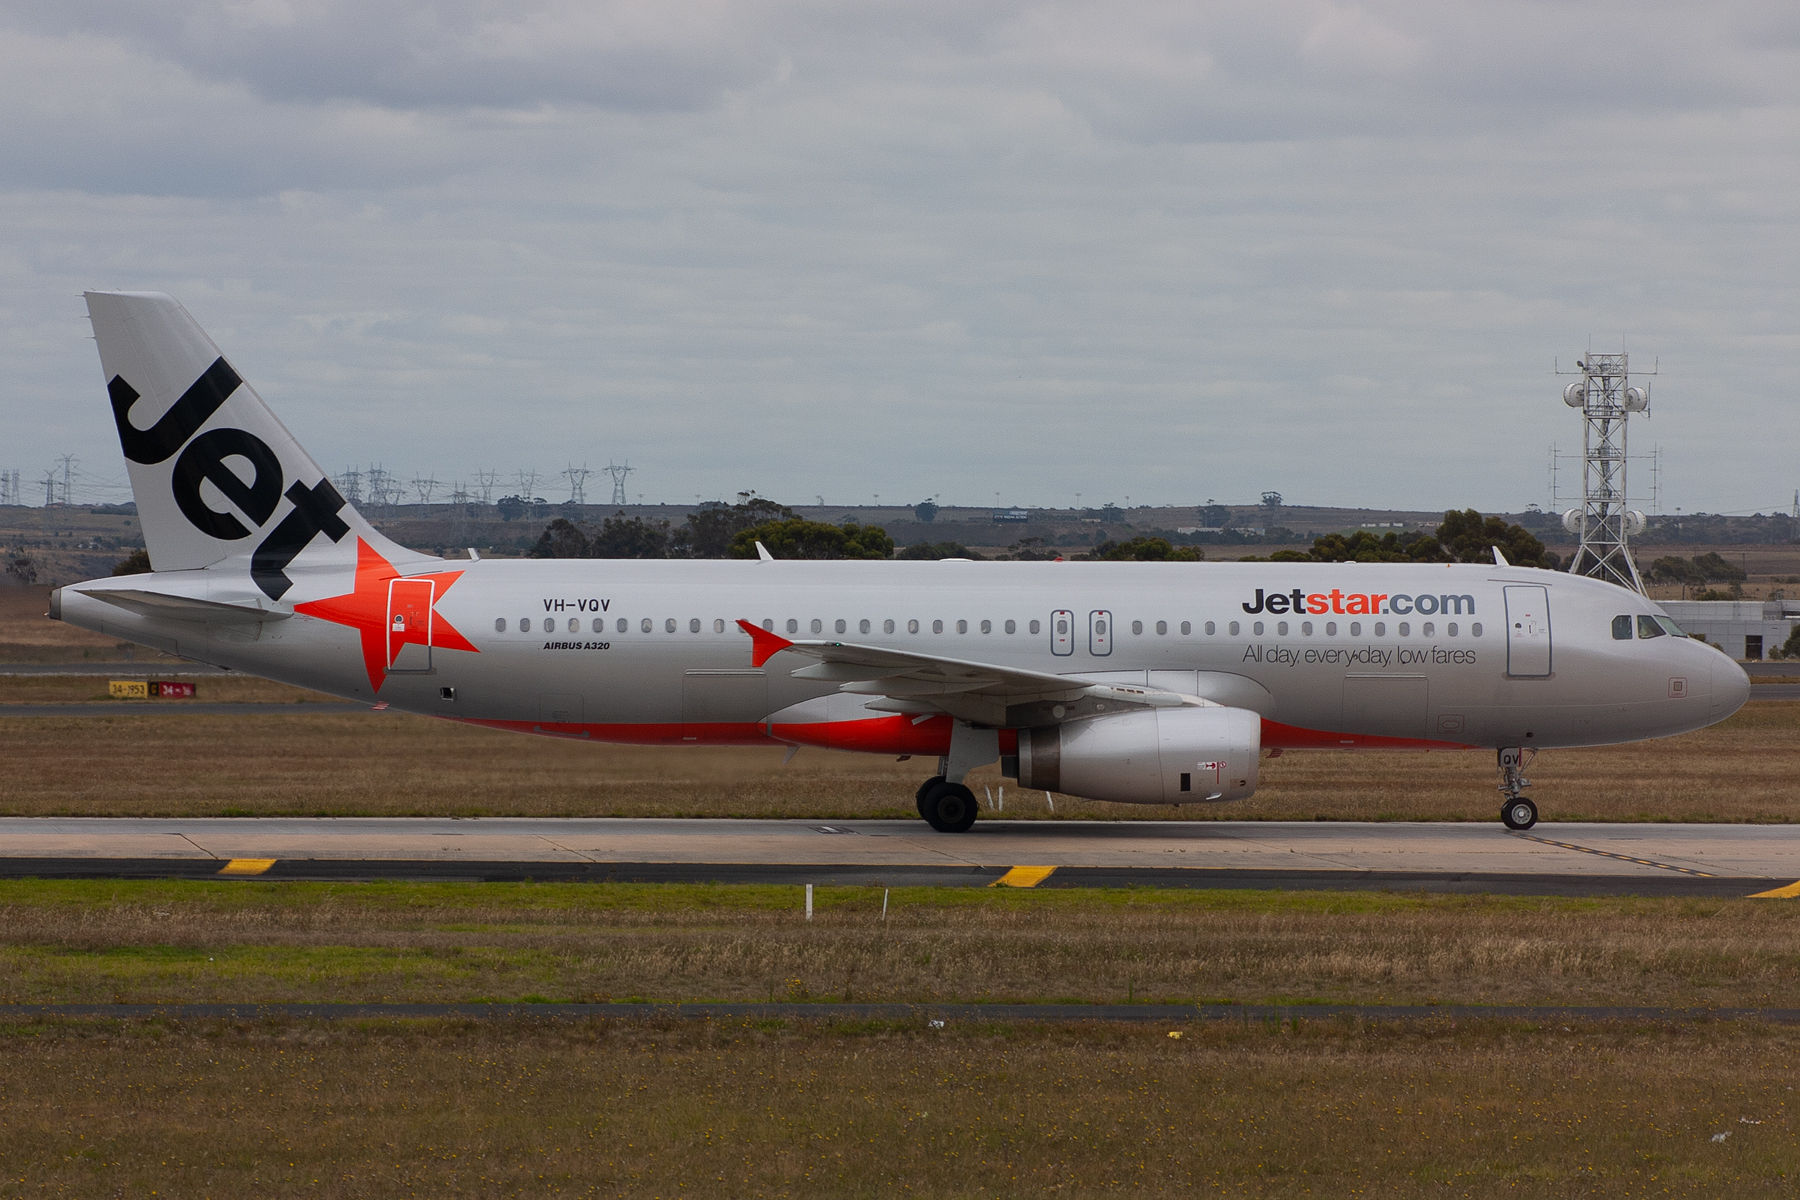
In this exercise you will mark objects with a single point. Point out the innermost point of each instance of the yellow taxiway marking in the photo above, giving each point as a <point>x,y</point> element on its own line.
<point>1642,862</point>
<point>1789,892</point>
<point>246,866</point>
<point>1023,877</point>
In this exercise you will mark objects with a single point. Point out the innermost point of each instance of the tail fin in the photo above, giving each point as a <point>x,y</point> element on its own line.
<point>215,475</point>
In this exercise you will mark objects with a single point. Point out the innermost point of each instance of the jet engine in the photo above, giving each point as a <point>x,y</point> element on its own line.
<point>1152,756</point>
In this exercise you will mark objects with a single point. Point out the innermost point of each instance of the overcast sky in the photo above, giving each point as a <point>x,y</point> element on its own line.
<point>1170,252</point>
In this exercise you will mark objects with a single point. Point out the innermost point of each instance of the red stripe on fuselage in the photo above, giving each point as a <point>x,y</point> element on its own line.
<point>901,734</point>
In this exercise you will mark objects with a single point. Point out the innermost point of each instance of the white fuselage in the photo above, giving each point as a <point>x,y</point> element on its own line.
<point>651,652</point>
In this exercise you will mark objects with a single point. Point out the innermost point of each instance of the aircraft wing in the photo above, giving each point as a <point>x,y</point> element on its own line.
<point>983,693</point>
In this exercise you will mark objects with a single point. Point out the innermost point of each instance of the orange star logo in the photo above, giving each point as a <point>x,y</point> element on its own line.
<point>391,611</point>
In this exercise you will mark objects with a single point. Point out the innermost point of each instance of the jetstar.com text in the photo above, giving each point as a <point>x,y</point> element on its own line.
<point>1372,604</point>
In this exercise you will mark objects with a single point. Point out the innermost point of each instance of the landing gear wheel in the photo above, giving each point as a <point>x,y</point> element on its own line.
<point>949,808</point>
<point>1520,814</point>
<point>924,791</point>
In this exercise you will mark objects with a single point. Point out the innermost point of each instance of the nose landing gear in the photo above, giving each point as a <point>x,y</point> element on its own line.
<point>1516,812</point>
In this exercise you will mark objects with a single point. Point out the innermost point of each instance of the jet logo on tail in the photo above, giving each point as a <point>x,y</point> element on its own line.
<point>203,460</point>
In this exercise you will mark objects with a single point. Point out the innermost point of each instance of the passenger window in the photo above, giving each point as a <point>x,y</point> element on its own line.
<point>669,625</point>
<point>574,624</point>
<point>937,627</point>
<point>1137,627</point>
<point>1306,628</point>
<point>1356,629</point>
<point>1281,628</point>
<point>1162,628</point>
<point>862,626</point>
<point>1450,629</point>
<point>1427,629</point>
<point>987,627</point>
<point>1380,628</point>
<point>962,627</point>
<point>839,625</point>
<point>1211,629</point>
<point>1475,629</point>
<point>1034,627</point>
<point>719,625</point>
<point>644,625</point>
<point>693,624</point>
<point>818,626</point>
<point>769,624</point>
<point>887,626</point>
<point>1232,628</point>
<point>1648,628</point>
<point>912,626</point>
<point>793,626</point>
<point>622,626</point>
<point>1012,627</point>
<point>1257,629</point>
<point>1186,628</point>
<point>1622,628</point>
<point>1405,628</point>
<point>1331,629</point>
<point>499,624</point>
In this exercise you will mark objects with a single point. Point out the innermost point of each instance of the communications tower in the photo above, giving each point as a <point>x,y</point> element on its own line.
<point>1605,522</point>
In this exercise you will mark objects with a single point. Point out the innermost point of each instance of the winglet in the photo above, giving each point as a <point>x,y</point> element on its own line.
<point>1499,558</point>
<point>762,553</point>
<point>766,645</point>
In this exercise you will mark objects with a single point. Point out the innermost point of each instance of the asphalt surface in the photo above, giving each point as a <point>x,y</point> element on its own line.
<point>929,1015</point>
<point>1560,859</point>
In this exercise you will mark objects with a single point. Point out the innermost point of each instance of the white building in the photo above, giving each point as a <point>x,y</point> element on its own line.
<point>1744,629</point>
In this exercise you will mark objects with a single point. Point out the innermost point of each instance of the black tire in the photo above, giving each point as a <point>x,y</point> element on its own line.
<point>924,791</point>
<point>1520,814</point>
<point>949,808</point>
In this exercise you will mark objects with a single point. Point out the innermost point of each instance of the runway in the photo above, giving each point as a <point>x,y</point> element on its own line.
<point>1559,859</point>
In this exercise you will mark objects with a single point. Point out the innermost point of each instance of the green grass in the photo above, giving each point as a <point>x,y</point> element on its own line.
<point>186,941</point>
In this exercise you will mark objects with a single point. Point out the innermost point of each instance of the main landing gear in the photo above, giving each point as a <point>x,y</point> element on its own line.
<point>946,807</point>
<point>1516,812</point>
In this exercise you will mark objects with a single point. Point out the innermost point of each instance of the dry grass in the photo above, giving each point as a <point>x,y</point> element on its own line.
<point>434,1109</point>
<point>391,764</point>
<point>28,636</point>
<point>241,942</point>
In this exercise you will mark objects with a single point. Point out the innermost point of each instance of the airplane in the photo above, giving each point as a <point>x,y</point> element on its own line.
<point>1142,683</point>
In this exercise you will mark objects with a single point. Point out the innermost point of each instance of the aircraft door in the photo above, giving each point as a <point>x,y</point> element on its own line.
<point>1062,632</point>
<point>1100,633</point>
<point>409,624</point>
<point>1527,631</point>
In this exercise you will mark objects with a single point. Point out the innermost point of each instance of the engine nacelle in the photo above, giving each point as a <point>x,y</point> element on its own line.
<point>1154,756</point>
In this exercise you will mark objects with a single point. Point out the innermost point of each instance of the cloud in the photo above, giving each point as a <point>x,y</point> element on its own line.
<point>1165,250</point>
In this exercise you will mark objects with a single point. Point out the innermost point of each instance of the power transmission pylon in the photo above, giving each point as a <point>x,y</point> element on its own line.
<point>577,477</point>
<point>618,473</point>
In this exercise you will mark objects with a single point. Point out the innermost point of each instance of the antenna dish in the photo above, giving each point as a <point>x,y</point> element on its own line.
<point>1635,522</point>
<point>1572,520</point>
<point>1575,395</point>
<point>1636,399</point>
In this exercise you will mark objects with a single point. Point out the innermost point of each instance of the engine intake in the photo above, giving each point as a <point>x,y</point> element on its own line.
<point>1153,756</point>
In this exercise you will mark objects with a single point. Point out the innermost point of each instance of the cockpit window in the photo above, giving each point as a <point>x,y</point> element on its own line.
<point>1648,628</point>
<point>1672,627</point>
<point>1622,628</point>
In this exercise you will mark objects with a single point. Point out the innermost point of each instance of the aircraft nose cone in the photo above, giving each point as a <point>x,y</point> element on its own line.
<point>1730,687</point>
